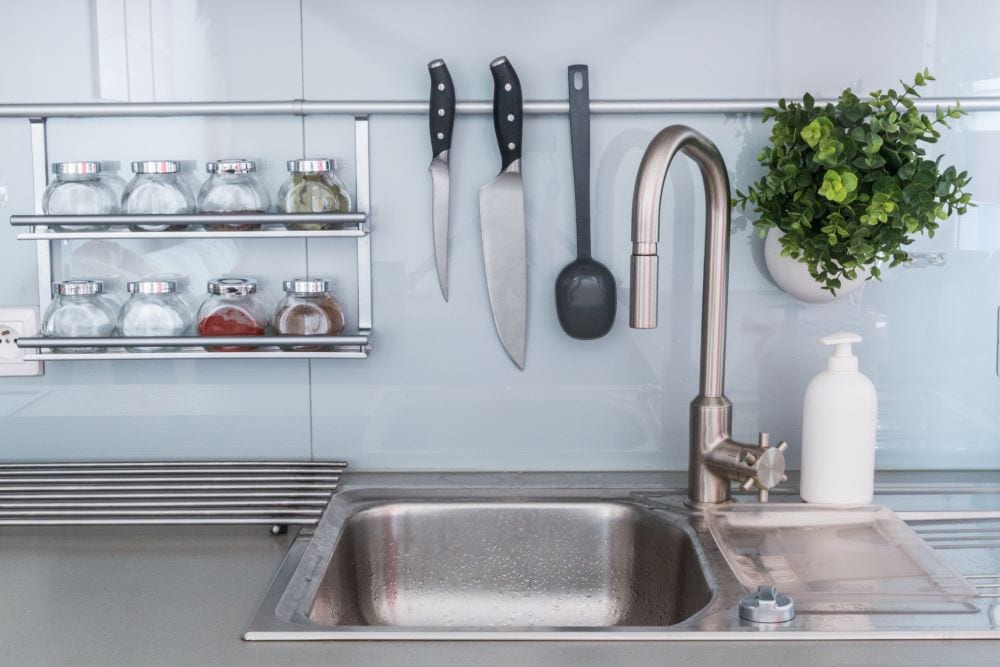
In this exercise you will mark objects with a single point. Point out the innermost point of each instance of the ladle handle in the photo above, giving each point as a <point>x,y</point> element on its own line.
<point>579,131</point>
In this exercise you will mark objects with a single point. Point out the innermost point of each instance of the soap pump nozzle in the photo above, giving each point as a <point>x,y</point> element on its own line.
<point>843,358</point>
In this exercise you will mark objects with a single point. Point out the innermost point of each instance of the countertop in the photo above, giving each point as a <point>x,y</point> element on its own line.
<point>174,595</point>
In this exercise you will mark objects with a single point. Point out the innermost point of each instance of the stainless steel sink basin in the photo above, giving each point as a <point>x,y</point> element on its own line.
<point>439,558</point>
<point>405,564</point>
<point>515,564</point>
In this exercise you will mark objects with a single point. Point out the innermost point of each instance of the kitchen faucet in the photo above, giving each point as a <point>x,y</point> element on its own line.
<point>715,459</point>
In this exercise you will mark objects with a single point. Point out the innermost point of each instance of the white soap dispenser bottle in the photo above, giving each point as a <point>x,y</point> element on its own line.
<point>838,430</point>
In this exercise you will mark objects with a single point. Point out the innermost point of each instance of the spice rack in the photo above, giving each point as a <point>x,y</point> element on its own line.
<point>340,225</point>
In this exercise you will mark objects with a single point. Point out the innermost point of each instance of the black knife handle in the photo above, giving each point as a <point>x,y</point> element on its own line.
<point>579,132</point>
<point>508,111</point>
<point>442,106</point>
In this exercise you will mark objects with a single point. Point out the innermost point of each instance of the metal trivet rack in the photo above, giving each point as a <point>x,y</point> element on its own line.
<point>274,493</point>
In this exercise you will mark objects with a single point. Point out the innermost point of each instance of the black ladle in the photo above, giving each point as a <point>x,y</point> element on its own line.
<point>585,289</point>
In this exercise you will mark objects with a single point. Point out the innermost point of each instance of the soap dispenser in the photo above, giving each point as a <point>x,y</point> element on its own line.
<point>838,430</point>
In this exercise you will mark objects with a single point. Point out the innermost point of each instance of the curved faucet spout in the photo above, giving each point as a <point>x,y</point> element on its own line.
<point>646,233</point>
<point>715,459</point>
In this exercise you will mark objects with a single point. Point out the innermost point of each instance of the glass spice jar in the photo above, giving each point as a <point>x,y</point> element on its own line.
<point>313,187</point>
<point>157,188</point>
<point>233,188</point>
<point>308,309</point>
<point>78,189</point>
<point>77,311</point>
<point>232,309</point>
<point>153,309</point>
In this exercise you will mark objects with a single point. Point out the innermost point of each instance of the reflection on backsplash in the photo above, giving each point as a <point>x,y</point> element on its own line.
<point>437,391</point>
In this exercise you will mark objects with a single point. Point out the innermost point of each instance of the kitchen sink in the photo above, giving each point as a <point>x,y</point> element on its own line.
<point>407,563</point>
<point>523,564</point>
<point>433,561</point>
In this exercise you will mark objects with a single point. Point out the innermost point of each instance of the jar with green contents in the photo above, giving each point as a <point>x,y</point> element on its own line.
<point>313,187</point>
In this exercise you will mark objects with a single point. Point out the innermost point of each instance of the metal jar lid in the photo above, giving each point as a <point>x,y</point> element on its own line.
<point>312,165</point>
<point>77,288</point>
<point>231,166</point>
<point>152,287</point>
<point>232,286</point>
<point>76,168</point>
<point>156,167</point>
<point>306,286</point>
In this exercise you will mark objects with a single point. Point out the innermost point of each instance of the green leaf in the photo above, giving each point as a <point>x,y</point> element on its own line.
<point>849,180</point>
<point>816,131</point>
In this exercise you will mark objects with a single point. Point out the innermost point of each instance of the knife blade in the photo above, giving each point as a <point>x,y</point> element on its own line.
<point>501,216</point>
<point>442,118</point>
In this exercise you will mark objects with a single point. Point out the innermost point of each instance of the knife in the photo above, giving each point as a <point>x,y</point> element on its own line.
<point>501,215</point>
<point>442,120</point>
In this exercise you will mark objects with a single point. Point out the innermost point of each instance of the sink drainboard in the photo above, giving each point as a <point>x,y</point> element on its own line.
<point>274,493</point>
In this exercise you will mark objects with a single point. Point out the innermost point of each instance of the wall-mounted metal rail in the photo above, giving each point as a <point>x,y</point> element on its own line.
<point>275,493</point>
<point>420,108</point>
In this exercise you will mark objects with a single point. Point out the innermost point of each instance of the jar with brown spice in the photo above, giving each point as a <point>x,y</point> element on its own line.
<point>313,187</point>
<point>232,309</point>
<point>308,309</point>
<point>234,189</point>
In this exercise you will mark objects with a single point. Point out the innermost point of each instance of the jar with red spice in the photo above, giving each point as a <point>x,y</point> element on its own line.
<point>232,309</point>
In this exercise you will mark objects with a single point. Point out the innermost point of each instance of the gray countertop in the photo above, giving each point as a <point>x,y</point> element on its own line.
<point>172,595</point>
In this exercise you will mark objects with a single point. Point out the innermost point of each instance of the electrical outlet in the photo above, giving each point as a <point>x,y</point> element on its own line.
<point>15,323</point>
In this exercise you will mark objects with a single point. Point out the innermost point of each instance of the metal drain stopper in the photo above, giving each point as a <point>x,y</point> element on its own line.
<point>767,606</point>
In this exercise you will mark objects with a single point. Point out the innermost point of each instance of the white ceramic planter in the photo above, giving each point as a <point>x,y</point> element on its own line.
<point>793,277</point>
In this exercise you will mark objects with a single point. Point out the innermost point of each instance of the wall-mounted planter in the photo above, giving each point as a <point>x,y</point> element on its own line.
<point>793,277</point>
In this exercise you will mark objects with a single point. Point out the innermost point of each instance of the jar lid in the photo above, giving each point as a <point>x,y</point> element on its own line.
<point>231,166</point>
<point>152,287</point>
<point>306,286</point>
<point>312,165</point>
<point>232,286</point>
<point>76,168</point>
<point>77,288</point>
<point>156,167</point>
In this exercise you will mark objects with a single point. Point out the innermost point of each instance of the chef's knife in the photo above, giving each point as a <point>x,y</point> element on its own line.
<point>501,213</point>
<point>442,119</point>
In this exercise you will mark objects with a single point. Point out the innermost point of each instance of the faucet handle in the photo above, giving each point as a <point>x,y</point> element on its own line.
<point>768,466</point>
<point>762,491</point>
<point>764,442</point>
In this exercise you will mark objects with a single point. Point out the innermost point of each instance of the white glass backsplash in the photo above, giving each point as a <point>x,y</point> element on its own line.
<point>438,391</point>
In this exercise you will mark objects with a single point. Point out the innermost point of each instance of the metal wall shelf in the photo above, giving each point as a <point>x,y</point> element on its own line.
<point>189,347</point>
<point>194,234</point>
<point>350,225</point>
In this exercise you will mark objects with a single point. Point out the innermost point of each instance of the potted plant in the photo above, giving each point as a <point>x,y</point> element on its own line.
<point>848,187</point>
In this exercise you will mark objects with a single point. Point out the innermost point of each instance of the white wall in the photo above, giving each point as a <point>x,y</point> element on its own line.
<point>438,391</point>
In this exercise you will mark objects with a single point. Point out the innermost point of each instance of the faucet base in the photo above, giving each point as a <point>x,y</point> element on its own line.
<point>711,421</point>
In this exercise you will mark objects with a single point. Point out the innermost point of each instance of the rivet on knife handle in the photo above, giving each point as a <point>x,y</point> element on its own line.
<point>507,110</point>
<point>442,106</point>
